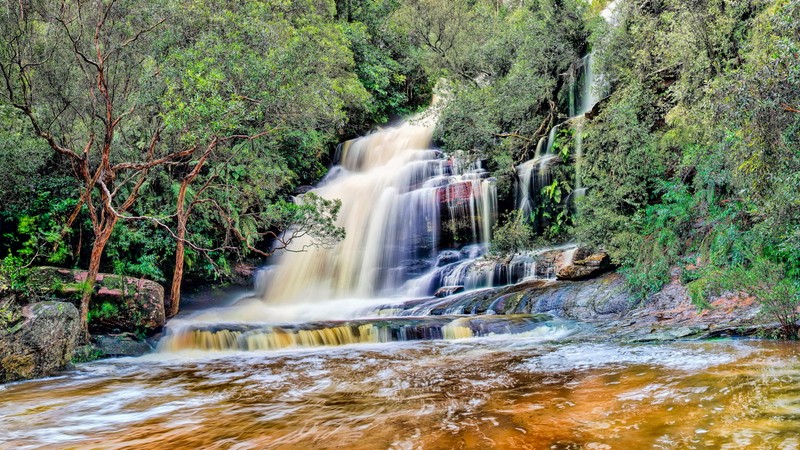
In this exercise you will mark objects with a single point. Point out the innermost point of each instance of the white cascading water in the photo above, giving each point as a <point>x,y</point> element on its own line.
<point>397,196</point>
<point>535,173</point>
<point>395,191</point>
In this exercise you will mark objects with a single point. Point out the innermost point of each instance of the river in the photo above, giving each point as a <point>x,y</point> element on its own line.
<point>533,390</point>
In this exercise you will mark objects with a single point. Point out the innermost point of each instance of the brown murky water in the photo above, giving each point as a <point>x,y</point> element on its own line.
<point>496,392</point>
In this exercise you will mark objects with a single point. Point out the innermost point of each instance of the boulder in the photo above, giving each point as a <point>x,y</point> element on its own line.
<point>447,257</point>
<point>119,303</point>
<point>446,291</point>
<point>112,346</point>
<point>588,267</point>
<point>37,340</point>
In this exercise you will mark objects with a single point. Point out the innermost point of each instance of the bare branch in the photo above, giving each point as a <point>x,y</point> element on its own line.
<point>150,164</point>
<point>788,108</point>
<point>74,41</point>
<point>134,38</point>
<point>514,135</point>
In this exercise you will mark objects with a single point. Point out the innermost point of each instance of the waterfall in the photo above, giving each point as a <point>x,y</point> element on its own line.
<point>551,139</point>
<point>534,174</point>
<point>396,192</point>
<point>591,85</point>
<point>588,84</point>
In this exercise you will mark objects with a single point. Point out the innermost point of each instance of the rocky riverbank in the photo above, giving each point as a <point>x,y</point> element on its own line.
<point>605,303</point>
<point>39,333</point>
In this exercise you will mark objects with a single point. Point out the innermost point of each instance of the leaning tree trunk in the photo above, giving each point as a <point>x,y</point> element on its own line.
<point>182,213</point>
<point>99,245</point>
<point>177,274</point>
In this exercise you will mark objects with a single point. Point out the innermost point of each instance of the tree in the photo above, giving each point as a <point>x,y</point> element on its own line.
<point>77,71</point>
<point>260,109</point>
<point>135,113</point>
<point>388,64</point>
<point>449,29</point>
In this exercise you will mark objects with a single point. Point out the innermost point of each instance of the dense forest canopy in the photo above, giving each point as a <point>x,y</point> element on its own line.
<point>694,157</point>
<point>147,137</point>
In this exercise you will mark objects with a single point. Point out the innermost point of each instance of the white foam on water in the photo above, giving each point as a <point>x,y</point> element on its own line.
<point>687,357</point>
<point>106,412</point>
<point>253,310</point>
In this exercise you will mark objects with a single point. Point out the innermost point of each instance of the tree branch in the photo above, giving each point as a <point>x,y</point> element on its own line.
<point>788,108</point>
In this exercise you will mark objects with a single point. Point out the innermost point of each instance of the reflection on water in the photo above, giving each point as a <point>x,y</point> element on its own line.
<point>498,391</point>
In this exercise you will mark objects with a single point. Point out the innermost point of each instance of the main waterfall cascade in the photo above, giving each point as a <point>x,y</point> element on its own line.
<point>397,196</point>
<point>418,222</point>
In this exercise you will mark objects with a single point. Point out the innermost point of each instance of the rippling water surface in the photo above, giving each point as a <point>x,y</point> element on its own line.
<point>524,391</point>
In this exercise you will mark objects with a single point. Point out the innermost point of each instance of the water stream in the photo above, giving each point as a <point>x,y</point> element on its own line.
<point>532,391</point>
<point>348,348</point>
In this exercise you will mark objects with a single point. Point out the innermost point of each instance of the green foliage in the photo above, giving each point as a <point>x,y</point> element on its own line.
<point>106,310</point>
<point>386,61</point>
<point>299,75</point>
<point>563,143</point>
<point>23,158</point>
<point>504,102</point>
<point>766,279</point>
<point>137,249</point>
<point>14,270</point>
<point>553,212</point>
<point>692,163</point>
<point>311,222</point>
<point>511,235</point>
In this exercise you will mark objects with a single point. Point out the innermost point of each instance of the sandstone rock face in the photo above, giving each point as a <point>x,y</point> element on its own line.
<point>601,299</point>
<point>587,267</point>
<point>119,304</point>
<point>37,340</point>
<point>606,303</point>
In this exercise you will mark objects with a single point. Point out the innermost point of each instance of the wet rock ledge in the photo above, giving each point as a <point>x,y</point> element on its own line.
<point>605,303</point>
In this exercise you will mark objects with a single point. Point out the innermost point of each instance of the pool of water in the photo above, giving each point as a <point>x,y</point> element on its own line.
<point>532,390</point>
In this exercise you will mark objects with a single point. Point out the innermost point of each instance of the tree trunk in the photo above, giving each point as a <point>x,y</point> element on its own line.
<point>99,245</point>
<point>182,212</point>
<point>180,249</point>
<point>177,274</point>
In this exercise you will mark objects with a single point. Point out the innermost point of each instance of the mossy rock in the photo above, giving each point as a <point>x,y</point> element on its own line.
<point>41,343</point>
<point>118,304</point>
<point>10,315</point>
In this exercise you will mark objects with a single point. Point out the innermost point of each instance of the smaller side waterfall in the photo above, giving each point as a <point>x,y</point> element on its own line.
<point>585,88</point>
<point>534,174</point>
